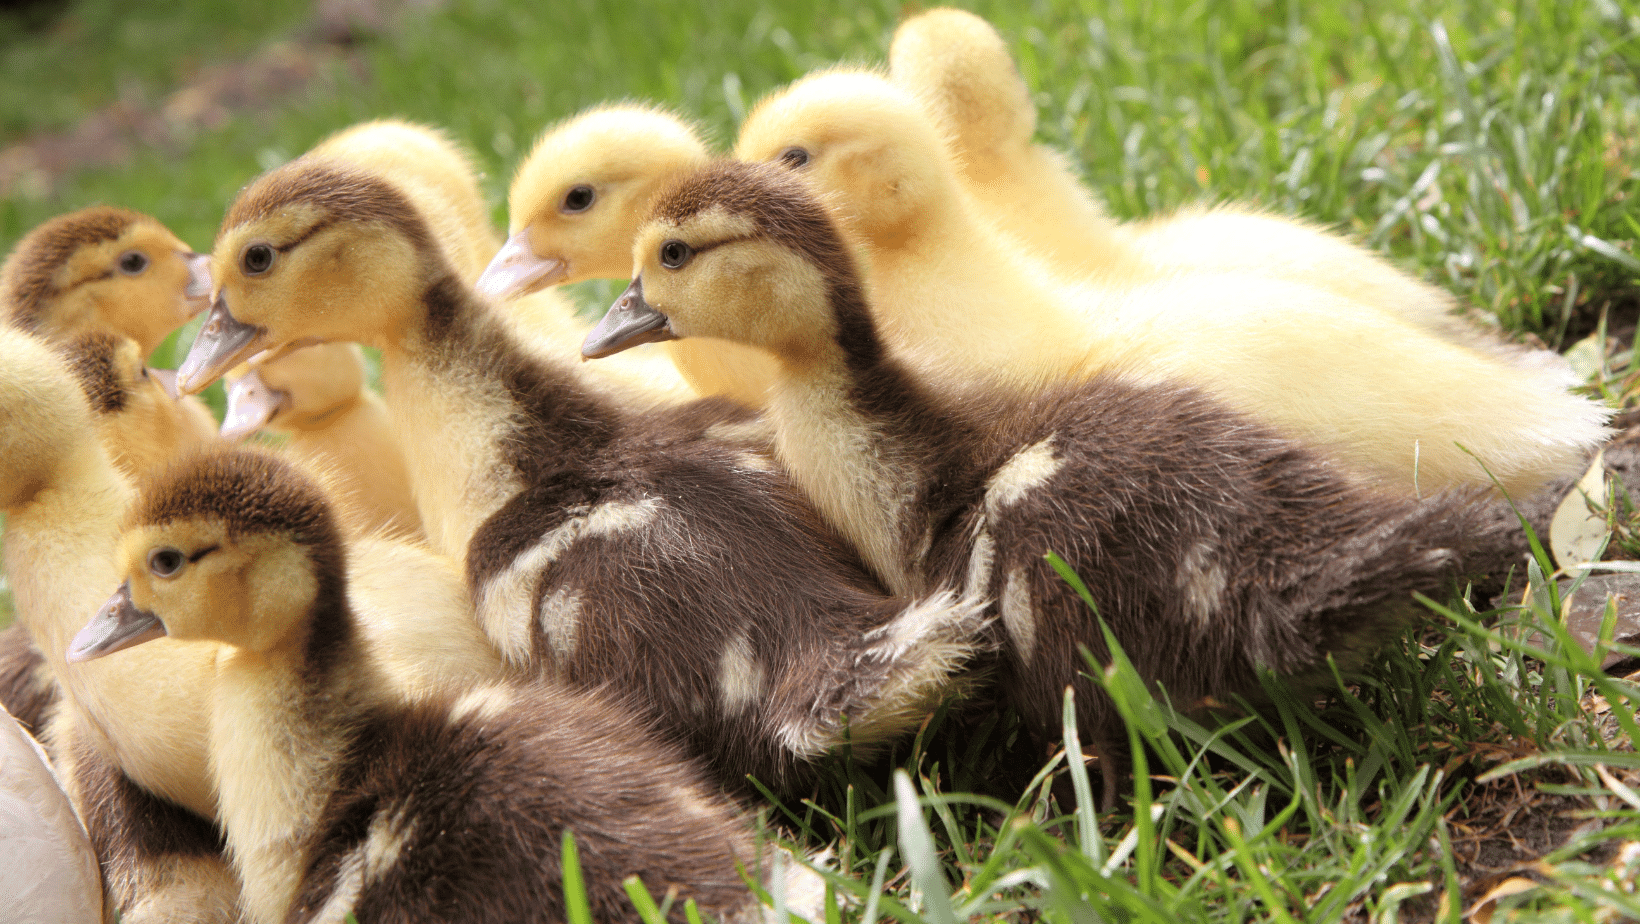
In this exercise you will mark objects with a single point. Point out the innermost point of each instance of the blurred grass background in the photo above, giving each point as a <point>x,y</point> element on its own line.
<point>1488,146</point>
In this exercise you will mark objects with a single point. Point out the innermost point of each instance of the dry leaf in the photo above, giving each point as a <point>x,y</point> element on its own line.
<point>1576,532</point>
<point>1481,912</point>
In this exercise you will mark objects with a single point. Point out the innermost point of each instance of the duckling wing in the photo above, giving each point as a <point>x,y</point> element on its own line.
<point>50,874</point>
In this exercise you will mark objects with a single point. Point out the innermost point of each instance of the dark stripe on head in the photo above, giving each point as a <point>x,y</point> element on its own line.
<point>93,360</point>
<point>781,206</point>
<point>340,192</point>
<point>249,491</point>
<point>35,261</point>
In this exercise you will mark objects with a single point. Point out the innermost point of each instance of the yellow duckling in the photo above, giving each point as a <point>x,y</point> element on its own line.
<point>960,302</point>
<point>574,207</point>
<point>960,68</point>
<point>319,398</point>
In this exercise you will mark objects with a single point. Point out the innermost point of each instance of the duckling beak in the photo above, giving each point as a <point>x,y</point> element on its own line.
<point>199,280</point>
<point>629,322</point>
<point>516,270</point>
<point>167,379</point>
<point>222,342</point>
<point>251,404</point>
<point>117,626</point>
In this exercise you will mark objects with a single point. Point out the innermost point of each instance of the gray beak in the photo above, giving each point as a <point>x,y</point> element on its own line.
<point>251,404</point>
<point>222,342</point>
<point>516,270</point>
<point>199,278</point>
<point>117,626</point>
<point>629,322</point>
<point>167,379</point>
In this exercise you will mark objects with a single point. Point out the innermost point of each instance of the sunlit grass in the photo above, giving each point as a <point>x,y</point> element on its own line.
<point>1488,147</point>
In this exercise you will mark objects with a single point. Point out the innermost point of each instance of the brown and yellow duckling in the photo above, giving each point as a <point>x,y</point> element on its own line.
<point>104,269</point>
<point>1213,547</point>
<point>657,553</point>
<point>337,800</point>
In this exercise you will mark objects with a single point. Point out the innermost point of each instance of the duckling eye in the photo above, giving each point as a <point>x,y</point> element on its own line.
<point>579,199</point>
<point>166,562</point>
<point>133,262</point>
<point>675,254</point>
<point>256,259</point>
<point>795,158</point>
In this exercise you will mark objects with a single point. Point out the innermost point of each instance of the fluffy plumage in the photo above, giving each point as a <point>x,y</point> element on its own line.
<point>1400,406</point>
<point>1212,546</point>
<point>574,207</point>
<point>451,806</point>
<point>141,420</point>
<point>318,397</point>
<point>659,553</point>
<point>103,269</point>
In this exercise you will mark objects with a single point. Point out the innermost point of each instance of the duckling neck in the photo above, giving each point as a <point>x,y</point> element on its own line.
<point>957,297</point>
<point>280,730</point>
<point>840,420</point>
<point>59,556</point>
<point>479,415</point>
<point>361,453</point>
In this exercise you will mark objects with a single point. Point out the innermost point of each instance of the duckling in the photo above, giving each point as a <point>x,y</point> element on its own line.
<point>658,552</point>
<point>104,269</point>
<point>318,397</point>
<point>453,806</point>
<point>108,270</point>
<point>50,874</point>
<point>138,414</point>
<point>1399,407</point>
<point>574,206</point>
<point>1213,547</point>
<point>141,786</point>
<point>140,780</point>
<point>960,68</point>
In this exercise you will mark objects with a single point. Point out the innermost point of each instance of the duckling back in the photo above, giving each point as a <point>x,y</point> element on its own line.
<point>960,68</point>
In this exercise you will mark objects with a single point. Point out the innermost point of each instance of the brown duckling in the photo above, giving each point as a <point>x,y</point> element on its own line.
<point>142,423</point>
<point>658,553</point>
<point>138,777</point>
<point>335,800</point>
<point>1212,546</point>
<point>104,269</point>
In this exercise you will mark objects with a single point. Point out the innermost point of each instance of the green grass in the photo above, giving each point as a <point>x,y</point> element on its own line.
<point>1489,147</point>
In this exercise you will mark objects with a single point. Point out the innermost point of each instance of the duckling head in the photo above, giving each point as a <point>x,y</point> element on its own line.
<point>311,252</point>
<point>41,408</point>
<point>577,198</point>
<point>137,410</point>
<point>301,389</point>
<point>958,65</point>
<point>230,545</point>
<point>741,252</point>
<point>863,143</point>
<point>104,268</point>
